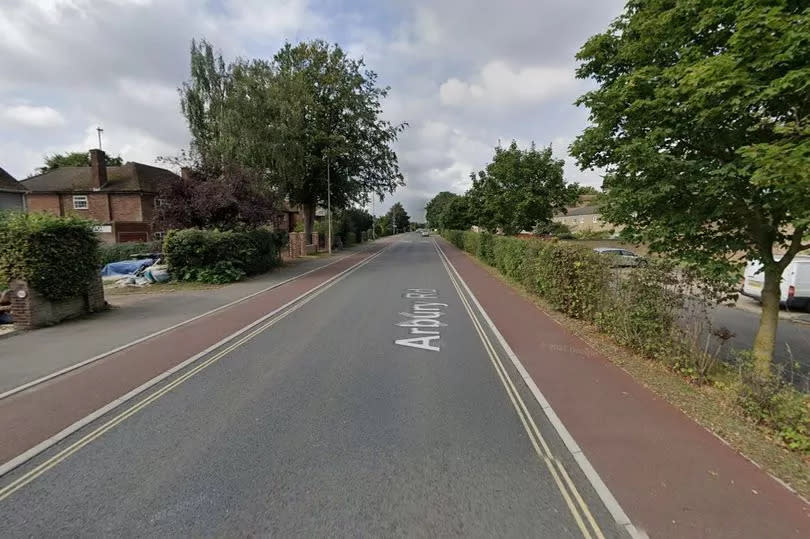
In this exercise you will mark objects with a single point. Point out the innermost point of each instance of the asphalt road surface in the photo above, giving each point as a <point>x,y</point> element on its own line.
<point>323,424</point>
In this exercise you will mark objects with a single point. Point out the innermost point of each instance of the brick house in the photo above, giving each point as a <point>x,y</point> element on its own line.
<point>12,193</point>
<point>121,199</point>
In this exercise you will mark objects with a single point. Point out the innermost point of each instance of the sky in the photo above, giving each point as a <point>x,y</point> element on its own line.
<point>464,74</point>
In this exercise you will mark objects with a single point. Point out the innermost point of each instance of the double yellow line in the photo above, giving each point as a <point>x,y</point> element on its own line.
<point>33,474</point>
<point>568,490</point>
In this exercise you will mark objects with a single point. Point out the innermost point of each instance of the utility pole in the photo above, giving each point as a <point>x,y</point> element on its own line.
<point>329,202</point>
<point>373,220</point>
<point>100,131</point>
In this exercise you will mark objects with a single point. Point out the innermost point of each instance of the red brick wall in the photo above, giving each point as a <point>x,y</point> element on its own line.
<point>147,207</point>
<point>126,207</point>
<point>98,207</point>
<point>43,203</point>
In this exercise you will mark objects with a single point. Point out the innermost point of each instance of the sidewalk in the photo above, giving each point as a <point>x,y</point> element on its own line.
<point>29,355</point>
<point>44,413</point>
<point>671,476</point>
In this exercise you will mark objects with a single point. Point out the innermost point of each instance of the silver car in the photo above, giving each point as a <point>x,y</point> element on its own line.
<point>622,258</point>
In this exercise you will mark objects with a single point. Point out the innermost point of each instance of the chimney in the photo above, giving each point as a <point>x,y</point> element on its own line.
<point>185,173</point>
<point>98,164</point>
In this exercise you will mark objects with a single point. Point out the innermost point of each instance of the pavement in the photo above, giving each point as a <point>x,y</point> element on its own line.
<point>130,318</point>
<point>373,397</point>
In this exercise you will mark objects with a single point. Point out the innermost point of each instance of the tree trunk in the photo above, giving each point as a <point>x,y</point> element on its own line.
<point>765,340</point>
<point>309,220</point>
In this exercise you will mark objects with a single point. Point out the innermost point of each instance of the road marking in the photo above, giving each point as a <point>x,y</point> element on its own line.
<point>93,359</point>
<point>293,305</point>
<point>423,319</point>
<point>585,465</point>
<point>544,452</point>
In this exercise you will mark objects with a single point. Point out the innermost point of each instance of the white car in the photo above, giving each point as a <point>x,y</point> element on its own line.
<point>622,257</point>
<point>425,233</point>
<point>795,286</point>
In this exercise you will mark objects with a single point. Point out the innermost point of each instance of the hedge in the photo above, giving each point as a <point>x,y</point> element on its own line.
<point>124,251</point>
<point>640,309</point>
<point>57,256</point>
<point>215,256</point>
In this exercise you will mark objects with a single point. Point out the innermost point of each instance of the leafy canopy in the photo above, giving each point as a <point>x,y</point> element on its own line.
<point>74,159</point>
<point>701,122</point>
<point>519,189</point>
<point>289,118</point>
<point>434,210</point>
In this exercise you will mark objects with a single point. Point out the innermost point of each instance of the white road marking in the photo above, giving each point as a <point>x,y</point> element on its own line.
<point>422,320</point>
<point>588,470</point>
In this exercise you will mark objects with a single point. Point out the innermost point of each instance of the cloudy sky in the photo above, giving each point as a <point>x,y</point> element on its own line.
<point>464,73</point>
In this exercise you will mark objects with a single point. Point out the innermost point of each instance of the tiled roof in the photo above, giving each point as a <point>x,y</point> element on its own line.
<point>8,183</point>
<point>582,210</point>
<point>135,177</point>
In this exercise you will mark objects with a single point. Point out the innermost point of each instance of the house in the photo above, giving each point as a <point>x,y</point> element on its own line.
<point>12,193</point>
<point>120,199</point>
<point>586,215</point>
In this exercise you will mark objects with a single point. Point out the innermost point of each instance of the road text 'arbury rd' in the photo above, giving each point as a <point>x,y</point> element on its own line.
<point>423,320</point>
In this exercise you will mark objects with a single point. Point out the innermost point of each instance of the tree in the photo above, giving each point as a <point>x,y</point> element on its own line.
<point>208,198</point>
<point>458,215</point>
<point>519,189</point>
<point>74,159</point>
<point>308,117</point>
<point>700,120</point>
<point>435,208</point>
<point>398,218</point>
<point>586,189</point>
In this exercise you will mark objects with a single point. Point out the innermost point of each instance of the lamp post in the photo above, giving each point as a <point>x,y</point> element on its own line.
<point>329,203</point>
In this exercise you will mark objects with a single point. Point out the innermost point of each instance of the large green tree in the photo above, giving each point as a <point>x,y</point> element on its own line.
<point>700,120</point>
<point>308,118</point>
<point>74,159</point>
<point>434,209</point>
<point>397,218</point>
<point>458,214</point>
<point>519,189</point>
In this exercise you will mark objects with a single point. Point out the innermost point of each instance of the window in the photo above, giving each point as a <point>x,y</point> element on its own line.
<point>80,202</point>
<point>158,235</point>
<point>159,202</point>
<point>595,218</point>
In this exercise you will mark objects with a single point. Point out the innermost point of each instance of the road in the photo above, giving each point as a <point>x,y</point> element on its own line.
<point>792,340</point>
<point>374,409</point>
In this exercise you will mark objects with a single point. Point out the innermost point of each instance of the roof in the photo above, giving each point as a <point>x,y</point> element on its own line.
<point>8,183</point>
<point>134,177</point>
<point>583,210</point>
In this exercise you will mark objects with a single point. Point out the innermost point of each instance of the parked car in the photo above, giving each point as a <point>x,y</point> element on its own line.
<point>794,288</point>
<point>425,232</point>
<point>622,258</point>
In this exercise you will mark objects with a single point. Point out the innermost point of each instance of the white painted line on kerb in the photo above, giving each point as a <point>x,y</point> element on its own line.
<point>61,435</point>
<point>611,504</point>
<point>93,359</point>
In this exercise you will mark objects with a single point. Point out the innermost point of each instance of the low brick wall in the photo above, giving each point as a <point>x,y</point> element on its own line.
<point>30,309</point>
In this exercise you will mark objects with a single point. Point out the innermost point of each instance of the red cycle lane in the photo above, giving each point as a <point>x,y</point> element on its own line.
<point>672,477</point>
<point>36,414</point>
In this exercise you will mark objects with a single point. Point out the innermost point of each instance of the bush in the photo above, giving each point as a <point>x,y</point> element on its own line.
<point>124,251</point>
<point>214,256</point>
<point>57,256</point>
<point>470,241</point>
<point>485,248</point>
<point>768,400</point>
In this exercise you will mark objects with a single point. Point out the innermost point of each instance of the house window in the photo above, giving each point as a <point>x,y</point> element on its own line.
<point>80,202</point>
<point>158,236</point>
<point>594,218</point>
<point>159,202</point>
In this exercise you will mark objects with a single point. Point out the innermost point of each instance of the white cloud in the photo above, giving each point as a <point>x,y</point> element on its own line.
<point>32,116</point>
<point>499,84</point>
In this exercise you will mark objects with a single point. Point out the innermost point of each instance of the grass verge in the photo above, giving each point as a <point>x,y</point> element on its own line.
<point>712,407</point>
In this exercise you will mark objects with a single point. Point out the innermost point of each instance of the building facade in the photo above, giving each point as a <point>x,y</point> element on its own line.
<point>121,199</point>
<point>12,193</point>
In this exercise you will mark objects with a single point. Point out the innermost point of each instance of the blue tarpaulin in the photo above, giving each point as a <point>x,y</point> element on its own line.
<point>125,267</point>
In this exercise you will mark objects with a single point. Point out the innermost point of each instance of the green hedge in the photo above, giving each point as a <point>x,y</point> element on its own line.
<point>57,256</point>
<point>124,251</point>
<point>215,256</point>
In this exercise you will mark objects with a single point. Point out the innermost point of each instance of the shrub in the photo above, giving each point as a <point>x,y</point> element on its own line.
<point>485,248</point>
<point>470,242</point>
<point>124,251</point>
<point>768,400</point>
<point>510,255</point>
<point>214,256</point>
<point>57,256</point>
